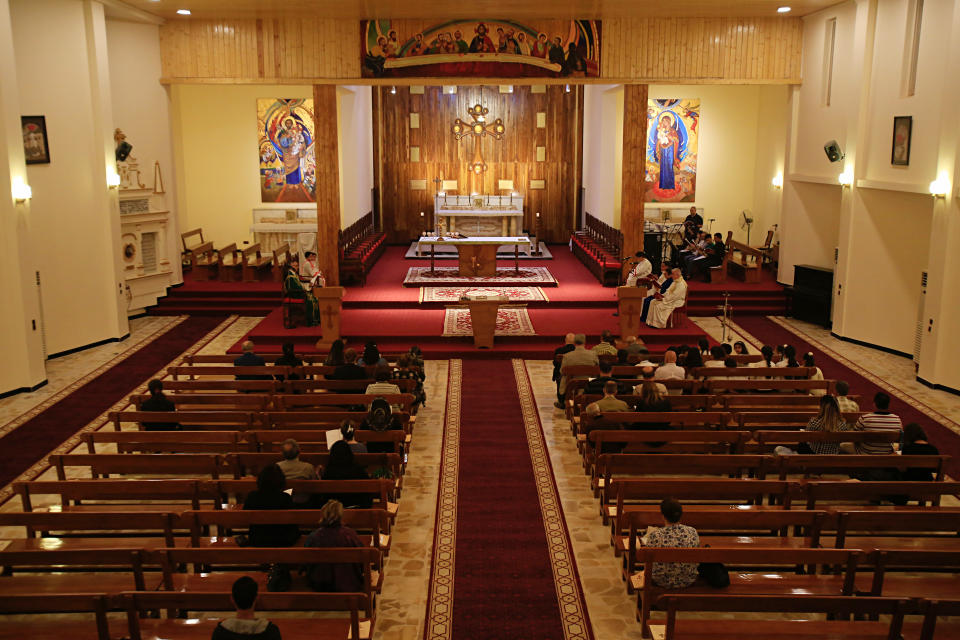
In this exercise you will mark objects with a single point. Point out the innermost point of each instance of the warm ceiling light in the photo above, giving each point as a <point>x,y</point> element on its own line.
<point>393,90</point>
<point>783,9</point>
<point>183,12</point>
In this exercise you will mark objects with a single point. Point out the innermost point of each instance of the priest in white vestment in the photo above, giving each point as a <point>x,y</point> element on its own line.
<point>663,305</point>
<point>642,269</point>
<point>311,271</point>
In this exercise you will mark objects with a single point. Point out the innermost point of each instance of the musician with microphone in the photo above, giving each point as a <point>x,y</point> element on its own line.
<point>641,269</point>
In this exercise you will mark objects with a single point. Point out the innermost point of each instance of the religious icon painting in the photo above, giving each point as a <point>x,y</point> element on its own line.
<point>673,134</point>
<point>36,148</point>
<point>902,132</point>
<point>288,167</point>
<point>480,48</point>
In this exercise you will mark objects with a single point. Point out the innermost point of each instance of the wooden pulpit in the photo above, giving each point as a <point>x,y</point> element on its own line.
<point>329,300</point>
<point>630,306</point>
<point>483,317</point>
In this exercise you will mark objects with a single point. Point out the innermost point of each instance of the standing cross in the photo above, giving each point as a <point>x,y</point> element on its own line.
<point>478,128</point>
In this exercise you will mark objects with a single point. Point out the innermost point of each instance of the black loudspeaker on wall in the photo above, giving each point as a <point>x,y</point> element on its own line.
<point>833,151</point>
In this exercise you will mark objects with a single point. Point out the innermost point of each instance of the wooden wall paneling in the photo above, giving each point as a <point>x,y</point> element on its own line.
<point>328,180</point>
<point>634,167</point>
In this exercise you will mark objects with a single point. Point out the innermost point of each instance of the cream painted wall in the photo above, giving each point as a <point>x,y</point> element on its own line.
<point>810,227</point>
<point>215,152</point>
<point>355,127</point>
<point>773,109</point>
<point>603,151</point>
<point>60,73</point>
<point>141,108</point>
<point>727,163</point>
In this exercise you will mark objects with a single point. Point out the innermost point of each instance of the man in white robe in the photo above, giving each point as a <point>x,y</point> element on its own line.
<point>311,271</point>
<point>663,305</point>
<point>642,269</point>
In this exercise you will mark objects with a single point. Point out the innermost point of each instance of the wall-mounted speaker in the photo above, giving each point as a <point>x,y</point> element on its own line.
<point>833,151</point>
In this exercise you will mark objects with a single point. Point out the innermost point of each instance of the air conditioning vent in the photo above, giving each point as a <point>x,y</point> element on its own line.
<point>923,279</point>
<point>43,325</point>
<point>836,255</point>
<point>148,252</point>
<point>918,334</point>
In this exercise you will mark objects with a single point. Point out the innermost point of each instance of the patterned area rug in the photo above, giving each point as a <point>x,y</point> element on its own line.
<point>453,294</point>
<point>528,276</point>
<point>511,321</point>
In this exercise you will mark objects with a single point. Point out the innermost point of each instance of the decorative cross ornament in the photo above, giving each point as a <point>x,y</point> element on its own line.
<point>478,128</point>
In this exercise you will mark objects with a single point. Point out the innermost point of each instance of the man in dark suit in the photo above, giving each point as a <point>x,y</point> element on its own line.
<point>596,385</point>
<point>250,359</point>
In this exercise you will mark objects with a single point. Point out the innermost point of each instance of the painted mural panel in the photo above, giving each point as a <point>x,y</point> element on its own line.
<point>673,134</point>
<point>287,164</point>
<point>481,48</point>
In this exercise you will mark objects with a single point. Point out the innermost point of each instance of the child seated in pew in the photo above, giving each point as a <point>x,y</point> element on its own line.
<point>808,361</point>
<point>673,575</point>
<point>245,625</point>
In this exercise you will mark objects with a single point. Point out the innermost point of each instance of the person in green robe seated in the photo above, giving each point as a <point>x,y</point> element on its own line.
<point>293,288</point>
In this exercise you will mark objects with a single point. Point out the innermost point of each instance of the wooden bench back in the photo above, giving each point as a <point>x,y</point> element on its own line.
<point>167,441</point>
<point>718,386</point>
<point>818,492</point>
<point>315,401</point>
<point>797,419</point>
<point>809,465</point>
<point>182,465</point>
<point>589,422</point>
<point>752,372</point>
<point>238,419</point>
<point>733,440</point>
<point>250,464</point>
<point>640,464</point>
<point>44,522</point>
<point>211,402</point>
<point>928,523</point>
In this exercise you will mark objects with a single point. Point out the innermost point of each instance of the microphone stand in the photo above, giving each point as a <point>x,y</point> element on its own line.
<point>725,311</point>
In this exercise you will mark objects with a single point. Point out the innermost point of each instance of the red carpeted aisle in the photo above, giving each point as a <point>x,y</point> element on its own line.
<point>34,439</point>
<point>948,442</point>
<point>508,572</point>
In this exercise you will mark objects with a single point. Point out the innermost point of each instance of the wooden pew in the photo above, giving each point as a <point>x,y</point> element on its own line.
<point>752,372</point>
<point>181,465</point>
<point>314,440</point>
<point>933,629</point>
<point>380,489</point>
<point>252,262</point>
<point>748,420</point>
<point>118,495</point>
<point>823,494</point>
<point>250,464</point>
<point>677,403</point>
<point>232,387</point>
<point>168,441</point>
<point>316,401</point>
<point>766,441</point>
<point>720,386</point>
<point>599,247</point>
<point>627,465</point>
<point>280,258</point>
<point>312,420</point>
<point>230,263</point>
<point>747,268</point>
<point>836,611</point>
<point>141,627</point>
<point>922,529</point>
<point>316,359</point>
<point>821,581</point>
<point>95,627</point>
<point>229,371</point>
<point>672,442</point>
<point>203,257</point>
<point>211,402</point>
<point>220,420</point>
<point>809,465</point>
<point>89,530</point>
<point>683,419</point>
<point>736,402</point>
<point>905,563</point>
<point>76,571</point>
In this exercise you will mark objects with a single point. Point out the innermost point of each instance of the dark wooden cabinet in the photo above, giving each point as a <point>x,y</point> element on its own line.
<point>812,294</point>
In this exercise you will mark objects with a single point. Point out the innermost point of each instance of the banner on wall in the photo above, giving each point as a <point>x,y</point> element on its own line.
<point>673,134</point>
<point>481,48</point>
<point>287,163</point>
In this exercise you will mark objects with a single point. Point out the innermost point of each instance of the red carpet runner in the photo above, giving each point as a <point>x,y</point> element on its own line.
<point>836,367</point>
<point>35,438</point>
<point>503,565</point>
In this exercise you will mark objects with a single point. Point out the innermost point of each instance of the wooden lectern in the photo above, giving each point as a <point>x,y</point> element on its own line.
<point>483,316</point>
<point>630,306</point>
<point>329,300</point>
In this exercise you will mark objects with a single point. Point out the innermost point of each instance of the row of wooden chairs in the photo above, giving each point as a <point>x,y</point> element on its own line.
<point>230,263</point>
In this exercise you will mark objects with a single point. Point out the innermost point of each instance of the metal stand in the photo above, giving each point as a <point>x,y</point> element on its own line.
<point>725,311</point>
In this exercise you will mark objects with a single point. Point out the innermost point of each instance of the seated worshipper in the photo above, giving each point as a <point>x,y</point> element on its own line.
<point>789,359</point>
<point>648,371</point>
<point>349,434</point>
<point>652,400</point>
<point>693,361</point>
<point>349,370</point>
<point>695,248</point>
<point>158,402</point>
<point>270,495</point>
<point>606,345</point>
<point>915,444</point>
<point>635,346</point>
<point>829,419</point>
<point>558,354</point>
<point>311,272</point>
<point>406,371</point>
<point>846,404</point>
<point>712,257</point>
<point>333,534</point>
<point>380,417</point>
<point>288,359</point>
<point>739,348</point>
<point>245,625</point>
<point>717,357</point>
<point>340,466</point>
<point>663,283</point>
<point>658,312</point>
<point>704,346</point>
<point>609,402</point>
<point>371,356</point>
<point>294,289</point>
<point>250,359</point>
<point>727,349</point>
<point>766,353</point>
<point>640,271</point>
<point>728,363</point>
<point>779,355</point>
<point>880,419</point>
<point>382,385</point>
<point>295,469</point>
<point>673,575</point>
<point>578,357</point>
<point>597,384</point>
<point>669,369</point>
<point>809,362</point>
<point>335,355</point>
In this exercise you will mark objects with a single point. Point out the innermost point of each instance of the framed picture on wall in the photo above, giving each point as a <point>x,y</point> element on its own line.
<point>902,129</point>
<point>35,145</point>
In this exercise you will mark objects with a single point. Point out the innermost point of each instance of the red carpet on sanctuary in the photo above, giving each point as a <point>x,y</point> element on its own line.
<point>506,569</point>
<point>31,441</point>
<point>943,438</point>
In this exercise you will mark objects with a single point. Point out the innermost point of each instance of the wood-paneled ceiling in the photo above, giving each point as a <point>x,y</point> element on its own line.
<point>446,9</point>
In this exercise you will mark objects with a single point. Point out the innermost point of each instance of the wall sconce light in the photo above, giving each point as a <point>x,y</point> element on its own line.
<point>777,181</point>
<point>846,178</point>
<point>393,90</point>
<point>940,187</point>
<point>113,180</point>
<point>567,89</point>
<point>21,191</point>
